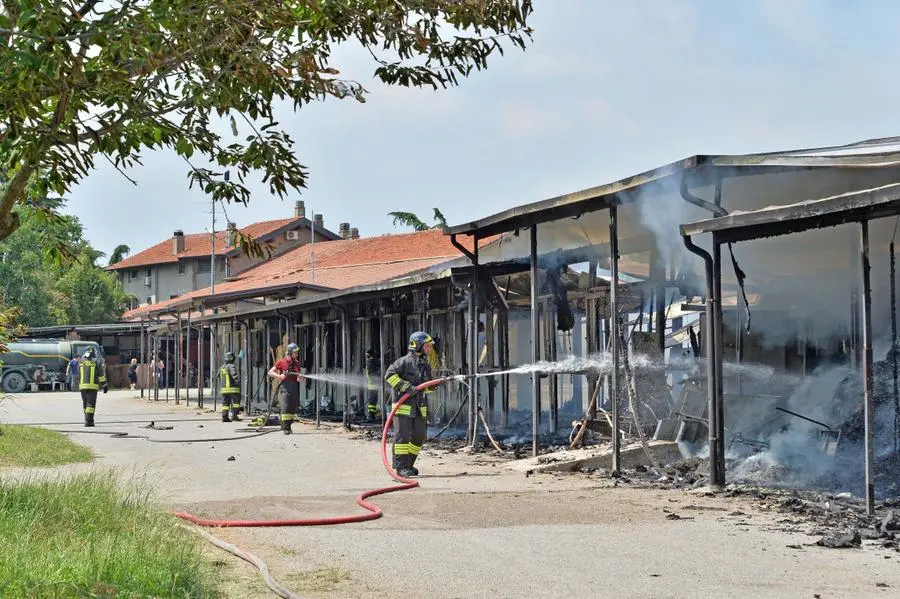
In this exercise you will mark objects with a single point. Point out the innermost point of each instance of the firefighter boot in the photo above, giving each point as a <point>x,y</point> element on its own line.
<point>403,466</point>
<point>286,426</point>
<point>234,415</point>
<point>225,417</point>
<point>412,468</point>
<point>89,419</point>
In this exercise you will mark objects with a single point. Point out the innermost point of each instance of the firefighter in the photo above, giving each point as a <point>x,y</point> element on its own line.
<point>289,371</point>
<point>91,378</point>
<point>373,376</point>
<point>410,420</point>
<point>231,388</point>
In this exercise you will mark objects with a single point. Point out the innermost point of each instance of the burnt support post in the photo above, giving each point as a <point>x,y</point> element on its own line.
<point>503,338</point>
<point>553,380</point>
<point>345,362</point>
<point>658,277</point>
<point>490,349</point>
<point>715,345</point>
<point>614,340</point>
<point>868,382</point>
<point>896,375</point>
<point>473,349</point>
<point>712,407</point>
<point>535,348</point>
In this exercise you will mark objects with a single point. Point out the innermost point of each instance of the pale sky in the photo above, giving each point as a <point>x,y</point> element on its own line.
<point>607,89</point>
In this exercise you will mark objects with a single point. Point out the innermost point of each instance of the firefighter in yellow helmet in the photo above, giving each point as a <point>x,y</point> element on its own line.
<point>230,379</point>
<point>411,419</point>
<point>91,378</point>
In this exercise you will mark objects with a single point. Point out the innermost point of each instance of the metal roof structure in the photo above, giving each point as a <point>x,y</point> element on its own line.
<point>870,154</point>
<point>867,204</point>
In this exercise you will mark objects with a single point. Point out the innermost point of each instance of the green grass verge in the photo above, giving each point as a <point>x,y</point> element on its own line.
<point>29,446</point>
<point>83,536</point>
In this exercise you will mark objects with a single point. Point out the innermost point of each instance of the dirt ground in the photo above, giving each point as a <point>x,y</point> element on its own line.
<point>477,527</point>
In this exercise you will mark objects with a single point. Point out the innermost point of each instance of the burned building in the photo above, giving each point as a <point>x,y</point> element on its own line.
<point>710,337</point>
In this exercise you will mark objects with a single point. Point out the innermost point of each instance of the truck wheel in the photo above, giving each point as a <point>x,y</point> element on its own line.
<point>14,382</point>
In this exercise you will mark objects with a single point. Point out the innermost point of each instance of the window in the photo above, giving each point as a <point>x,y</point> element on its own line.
<point>203,266</point>
<point>149,300</point>
<point>149,271</point>
<point>181,266</point>
<point>173,296</point>
<point>132,274</point>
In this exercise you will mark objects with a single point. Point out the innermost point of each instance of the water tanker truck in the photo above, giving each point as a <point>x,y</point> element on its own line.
<point>29,361</point>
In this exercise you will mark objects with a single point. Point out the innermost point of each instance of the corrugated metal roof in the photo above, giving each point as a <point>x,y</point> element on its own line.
<point>876,153</point>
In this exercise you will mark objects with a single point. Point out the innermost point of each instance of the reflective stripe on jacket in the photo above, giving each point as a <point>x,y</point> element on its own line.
<point>91,375</point>
<point>231,380</point>
<point>412,368</point>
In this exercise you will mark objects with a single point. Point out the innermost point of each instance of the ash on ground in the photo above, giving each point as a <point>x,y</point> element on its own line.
<point>838,520</point>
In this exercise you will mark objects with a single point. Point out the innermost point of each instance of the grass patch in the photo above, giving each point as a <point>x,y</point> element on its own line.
<point>29,446</point>
<point>323,580</point>
<point>83,536</point>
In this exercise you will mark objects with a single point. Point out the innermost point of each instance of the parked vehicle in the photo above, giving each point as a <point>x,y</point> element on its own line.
<point>41,361</point>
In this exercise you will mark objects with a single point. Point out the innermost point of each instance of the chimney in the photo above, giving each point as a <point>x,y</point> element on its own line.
<point>320,224</point>
<point>299,209</point>
<point>231,235</point>
<point>344,230</point>
<point>177,242</point>
<point>354,233</point>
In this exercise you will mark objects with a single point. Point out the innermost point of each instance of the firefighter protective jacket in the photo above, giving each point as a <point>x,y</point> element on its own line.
<point>91,375</point>
<point>231,379</point>
<point>413,370</point>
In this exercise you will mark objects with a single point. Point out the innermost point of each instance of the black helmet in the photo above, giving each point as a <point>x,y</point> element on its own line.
<point>229,356</point>
<point>418,340</point>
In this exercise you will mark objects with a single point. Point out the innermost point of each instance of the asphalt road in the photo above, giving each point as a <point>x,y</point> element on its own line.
<point>476,528</point>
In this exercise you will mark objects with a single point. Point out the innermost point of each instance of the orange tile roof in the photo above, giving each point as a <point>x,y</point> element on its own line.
<point>339,264</point>
<point>198,244</point>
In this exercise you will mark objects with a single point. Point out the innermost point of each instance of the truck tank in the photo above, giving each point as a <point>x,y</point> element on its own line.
<point>25,357</point>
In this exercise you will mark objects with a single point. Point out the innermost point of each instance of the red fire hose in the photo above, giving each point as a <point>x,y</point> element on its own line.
<point>374,512</point>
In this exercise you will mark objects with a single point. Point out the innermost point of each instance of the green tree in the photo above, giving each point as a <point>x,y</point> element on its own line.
<point>409,219</point>
<point>86,79</point>
<point>49,287</point>
<point>118,254</point>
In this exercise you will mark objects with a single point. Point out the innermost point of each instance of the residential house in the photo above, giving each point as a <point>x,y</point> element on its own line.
<point>183,264</point>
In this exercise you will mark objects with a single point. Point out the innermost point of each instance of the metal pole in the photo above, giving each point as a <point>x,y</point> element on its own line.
<point>200,366</point>
<point>312,253</point>
<point>345,362</point>
<point>868,383</point>
<point>141,381</point>
<point>187,362</point>
<point>168,364</point>
<point>715,345</point>
<point>178,359</point>
<point>316,369</point>
<point>473,349</point>
<point>212,251</point>
<point>213,343</point>
<point>535,348</point>
<point>553,380</point>
<point>614,340</point>
<point>381,406</point>
<point>894,350</point>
